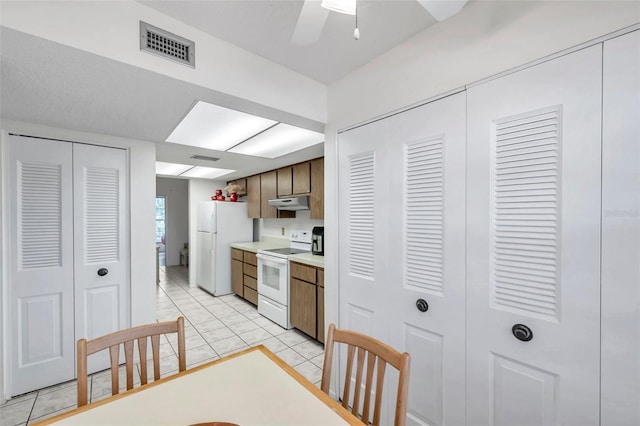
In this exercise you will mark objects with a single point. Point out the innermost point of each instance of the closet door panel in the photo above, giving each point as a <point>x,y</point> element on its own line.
<point>101,267</point>
<point>426,260</point>
<point>533,245</point>
<point>621,231</point>
<point>363,226</point>
<point>41,263</point>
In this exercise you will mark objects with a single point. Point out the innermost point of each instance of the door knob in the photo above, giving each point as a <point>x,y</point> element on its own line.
<point>422,305</point>
<point>103,271</point>
<point>522,332</point>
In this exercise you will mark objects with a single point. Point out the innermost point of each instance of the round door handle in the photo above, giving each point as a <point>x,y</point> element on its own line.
<point>103,271</point>
<point>522,332</point>
<point>422,305</point>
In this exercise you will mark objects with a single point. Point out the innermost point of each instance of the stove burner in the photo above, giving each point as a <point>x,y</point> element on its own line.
<point>286,251</point>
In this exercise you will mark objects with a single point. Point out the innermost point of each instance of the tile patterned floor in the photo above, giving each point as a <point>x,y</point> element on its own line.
<point>214,327</point>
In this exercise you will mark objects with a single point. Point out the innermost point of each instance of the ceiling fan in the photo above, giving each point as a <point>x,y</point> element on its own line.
<point>314,14</point>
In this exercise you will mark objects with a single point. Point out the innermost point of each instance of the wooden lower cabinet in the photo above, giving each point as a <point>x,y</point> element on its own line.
<point>306,307</point>
<point>244,275</point>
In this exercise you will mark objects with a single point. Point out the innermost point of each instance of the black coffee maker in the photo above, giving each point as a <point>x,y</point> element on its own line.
<point>317,240</point>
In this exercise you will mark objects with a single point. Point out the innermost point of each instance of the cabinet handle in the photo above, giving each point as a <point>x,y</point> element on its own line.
<point>422,305</point>
<point>522,332</point>
<point>103,271</point>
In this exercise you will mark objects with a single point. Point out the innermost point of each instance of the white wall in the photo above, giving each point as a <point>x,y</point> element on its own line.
<point>142,215</point>
<point>176,192</point>
<point>199,190</point>
<point>111,29</point>
<point>273,227</point>
<point>484,39</point>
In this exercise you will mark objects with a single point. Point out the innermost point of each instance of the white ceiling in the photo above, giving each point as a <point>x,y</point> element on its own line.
<point>265,28</point>
<point>56,85</point>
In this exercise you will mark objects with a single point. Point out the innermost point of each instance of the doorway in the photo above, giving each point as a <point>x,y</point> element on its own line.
<point>161,230</point>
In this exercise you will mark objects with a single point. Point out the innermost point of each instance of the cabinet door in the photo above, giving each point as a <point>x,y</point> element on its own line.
<point>41,304</point>
<point>303,306</point>
<point>237,277</point>
<point>284,176</point>
<point>253,192</point>
<point>268,191</point>
<point>320,325</point>
<point>533,247</point>
<point>316,200</point>
<point>302,178</point>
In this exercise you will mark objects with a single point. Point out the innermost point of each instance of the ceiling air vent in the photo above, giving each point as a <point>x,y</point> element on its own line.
<point>170,46</point>
<point>204,157</point>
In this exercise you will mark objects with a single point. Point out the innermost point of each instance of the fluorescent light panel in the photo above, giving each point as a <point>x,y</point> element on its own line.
<point>206,172</point>
<point>187,170</point>
<point>171,169</point>
<point>279,140</point>
<point>215,127</point>
<point>342,6</point>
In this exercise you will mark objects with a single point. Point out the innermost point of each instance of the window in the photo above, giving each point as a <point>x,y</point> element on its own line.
<point>161,211</point>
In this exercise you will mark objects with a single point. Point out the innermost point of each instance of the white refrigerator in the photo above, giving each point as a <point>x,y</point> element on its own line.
<point>220,223</point>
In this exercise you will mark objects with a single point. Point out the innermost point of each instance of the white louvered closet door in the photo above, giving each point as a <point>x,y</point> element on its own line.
<point>101,267</point>
<point>533,245</point>
<point>426,256</point>
<point>41,264</point>
<point>363,213</point>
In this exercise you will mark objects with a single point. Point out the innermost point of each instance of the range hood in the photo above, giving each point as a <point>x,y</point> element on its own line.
<point>291,203</point>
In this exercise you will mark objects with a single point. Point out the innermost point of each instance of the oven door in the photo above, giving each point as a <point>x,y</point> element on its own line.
<point>273,278</point>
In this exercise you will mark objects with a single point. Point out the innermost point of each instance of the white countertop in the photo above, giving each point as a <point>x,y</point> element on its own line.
<point>271,243</point>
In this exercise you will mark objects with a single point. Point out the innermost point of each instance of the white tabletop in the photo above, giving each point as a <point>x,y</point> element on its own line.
<point>250,388</point>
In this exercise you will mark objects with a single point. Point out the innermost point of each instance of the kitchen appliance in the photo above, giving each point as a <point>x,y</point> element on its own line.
<point>291,203</point>
<point>317,240</point>
<point>219,224</point>
<point>273,278</point>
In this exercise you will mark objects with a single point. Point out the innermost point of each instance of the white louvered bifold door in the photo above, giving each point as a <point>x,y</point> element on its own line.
<point>41,263</point>
<point>533,245</point>
<point>102,293</point>
<point>364,200</point>
<point>426,255</point>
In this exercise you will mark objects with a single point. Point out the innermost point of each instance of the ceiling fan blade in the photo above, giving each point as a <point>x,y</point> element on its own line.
<point>442,9</point>
<point>310,23</point>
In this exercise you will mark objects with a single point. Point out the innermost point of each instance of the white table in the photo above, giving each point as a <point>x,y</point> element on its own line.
<point>253,387</point>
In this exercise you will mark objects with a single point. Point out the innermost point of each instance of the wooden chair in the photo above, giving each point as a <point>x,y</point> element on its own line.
<point>373,350</point>
<point>126,337</point>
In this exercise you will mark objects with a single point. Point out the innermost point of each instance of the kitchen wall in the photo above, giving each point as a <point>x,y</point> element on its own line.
<point>176,192</point>
<point>273,227</point>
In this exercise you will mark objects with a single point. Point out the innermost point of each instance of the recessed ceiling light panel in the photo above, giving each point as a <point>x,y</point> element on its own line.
<point>279,140</point>
<point>215,127</point>
<point>206,172</point>
<point>171,169</point>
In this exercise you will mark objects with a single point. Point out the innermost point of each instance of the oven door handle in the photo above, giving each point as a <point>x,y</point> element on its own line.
<point>272,259</point>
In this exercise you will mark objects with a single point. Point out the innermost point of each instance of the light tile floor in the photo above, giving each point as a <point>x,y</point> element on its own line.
<point>214,327</point>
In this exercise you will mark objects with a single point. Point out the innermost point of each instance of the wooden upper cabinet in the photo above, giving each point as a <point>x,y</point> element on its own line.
<point>284,181</point>
<point>302,178</point>
<point>316,200</point>
<point>268,191</point>
<point>253,191</point>
<point>242,183</point>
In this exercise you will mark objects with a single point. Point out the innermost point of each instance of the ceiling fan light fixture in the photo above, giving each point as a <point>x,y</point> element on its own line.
<point>347,7</point>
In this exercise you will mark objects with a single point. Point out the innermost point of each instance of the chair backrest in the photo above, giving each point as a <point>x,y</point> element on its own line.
<point>373,350</point>
<point>127,337</point>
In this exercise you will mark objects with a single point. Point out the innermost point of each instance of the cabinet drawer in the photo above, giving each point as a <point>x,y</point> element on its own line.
<point>250,282</point>
<point>250,270</point>
<point>250,258</point>
<point>236,254</point>
<point>251,295</point>
<point>320,277</point>
<point>302,272</point>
